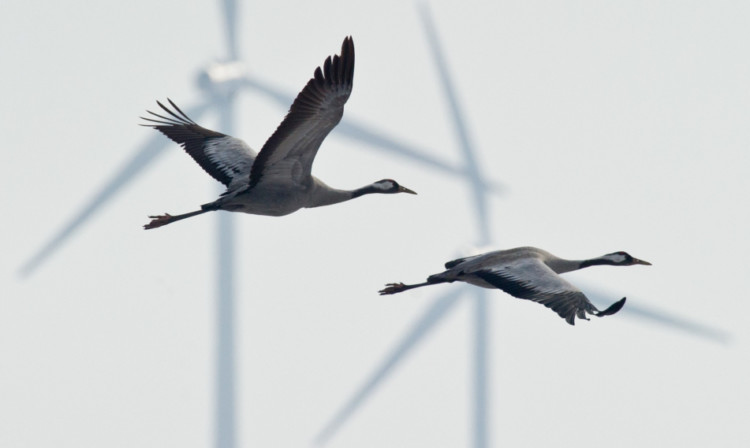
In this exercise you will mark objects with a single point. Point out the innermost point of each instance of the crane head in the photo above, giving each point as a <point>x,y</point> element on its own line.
<point>624,259</point>
<point>390,186</point>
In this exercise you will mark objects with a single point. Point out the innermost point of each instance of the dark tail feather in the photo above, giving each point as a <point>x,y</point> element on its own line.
<point>615,307</point>
<point>571,319</point>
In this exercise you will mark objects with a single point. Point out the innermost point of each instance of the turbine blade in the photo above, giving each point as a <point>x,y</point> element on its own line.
<point>230,22</point>
<point>662,318</point>
<point>467,147</point>
<point>145,156</point>
<point>480,430</point>
<point>355,130</point>
<point>419,329</point>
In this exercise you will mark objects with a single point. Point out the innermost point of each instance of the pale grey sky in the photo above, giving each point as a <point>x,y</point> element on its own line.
<point>613,125</point>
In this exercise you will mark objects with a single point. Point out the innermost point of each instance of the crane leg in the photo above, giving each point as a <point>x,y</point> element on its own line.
<point>393,288</point>
<point>163,220</point>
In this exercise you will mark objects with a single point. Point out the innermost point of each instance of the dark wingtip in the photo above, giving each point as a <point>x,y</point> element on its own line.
<point>615,307</point>
<point>347,55</point>
<point>347,46</point>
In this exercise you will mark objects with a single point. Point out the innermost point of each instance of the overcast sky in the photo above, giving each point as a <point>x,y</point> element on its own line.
<point>608,125</point>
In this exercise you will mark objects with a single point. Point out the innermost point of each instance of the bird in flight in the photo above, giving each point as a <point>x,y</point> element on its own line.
<point>528,273</point>
<point>277,180</point>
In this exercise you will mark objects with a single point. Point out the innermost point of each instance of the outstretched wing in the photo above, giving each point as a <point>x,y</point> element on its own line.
<point>222,156</point>
<point>290,151</point>
<point>531,279</point>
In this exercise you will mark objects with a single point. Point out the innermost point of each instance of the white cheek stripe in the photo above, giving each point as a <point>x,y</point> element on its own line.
<point>384,186</point>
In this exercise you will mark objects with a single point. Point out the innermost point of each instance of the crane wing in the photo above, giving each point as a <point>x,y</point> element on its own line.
<point>531,279</point>
<point>290,151</point>
<point>220,155</point>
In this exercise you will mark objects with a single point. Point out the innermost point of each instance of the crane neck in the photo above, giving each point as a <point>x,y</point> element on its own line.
<point>321,194</point>
<point>596,261</point>
<point>367,189</point>
<point>560,265</point>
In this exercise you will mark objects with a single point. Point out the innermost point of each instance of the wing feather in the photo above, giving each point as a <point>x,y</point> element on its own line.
<point>223,157</point>
<point>533,280</point>
<point>314,113</point>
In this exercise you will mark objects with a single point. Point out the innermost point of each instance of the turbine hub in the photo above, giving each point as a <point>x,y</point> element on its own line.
<point>222,77</point>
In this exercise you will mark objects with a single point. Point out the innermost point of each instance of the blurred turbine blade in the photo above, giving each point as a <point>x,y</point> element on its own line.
<point>480,430</point>
<point>358,131</point>
<point>145,156</point>
<point>354,130</point>
<point>419,329</point>
<point>230,23</point>
<point>662,318</point>
<point>460,126</point>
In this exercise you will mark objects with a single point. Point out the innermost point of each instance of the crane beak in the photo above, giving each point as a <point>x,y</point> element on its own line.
<point>637,261</point>
<point>405,190</point>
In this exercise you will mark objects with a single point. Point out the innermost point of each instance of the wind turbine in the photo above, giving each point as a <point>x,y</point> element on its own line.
<point>221,82</point>
<point>442,305</point>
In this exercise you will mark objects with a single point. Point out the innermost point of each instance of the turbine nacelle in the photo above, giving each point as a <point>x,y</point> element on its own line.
<point>222,77</point>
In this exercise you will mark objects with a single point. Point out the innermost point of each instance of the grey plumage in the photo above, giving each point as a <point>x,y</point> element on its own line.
<point>277,180</point>
<point>528,273</point>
